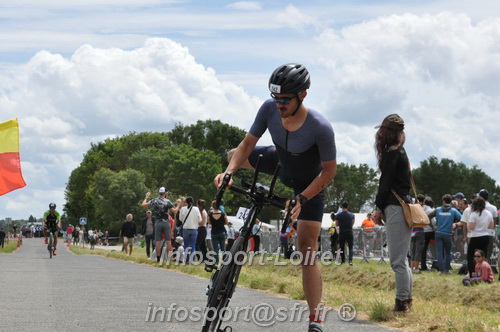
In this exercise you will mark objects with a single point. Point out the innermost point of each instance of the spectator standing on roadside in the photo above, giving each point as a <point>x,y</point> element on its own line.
<point>218,219</point>
<point>80,236</point>
<point>428,233</point>
<point>368,226</point>
<point>465,210</point>
<point>148,231</point>
<point>201,245</point>
<point>191,219</point>
<point>160,207</point>
<point>334,236</point>
<point>230,235</point>
<point>417,242</point>
<point>498,236</point>
<point>69,232</point>
<point>76,231</point>
<point>128,233</point>
<point>221,207</point>
<point>208,238</point>
<point>479,225</point>
<point>345,221</point>
<point>256,233</point>
<point>92,239</point>
<point>99,237</point>
<point>2,237</point>
<point>493,210</point>
<point>180,203</point>
<point>395,174</point>
<point>460,228</point>
<point>445,223</point>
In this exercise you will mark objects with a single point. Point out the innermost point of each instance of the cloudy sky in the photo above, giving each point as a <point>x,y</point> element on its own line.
<point>76,72</point>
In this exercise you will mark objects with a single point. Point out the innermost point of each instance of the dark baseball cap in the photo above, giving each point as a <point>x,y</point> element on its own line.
<point>392,121</point>
<point>484,193</point>
<point>459,195</point>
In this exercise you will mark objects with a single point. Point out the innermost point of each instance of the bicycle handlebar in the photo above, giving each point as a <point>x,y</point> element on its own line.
<point>222,188</point>
<point>271,200</point>
<point>253,191</point>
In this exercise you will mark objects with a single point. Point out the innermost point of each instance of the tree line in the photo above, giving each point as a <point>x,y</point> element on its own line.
<point>114,175</point>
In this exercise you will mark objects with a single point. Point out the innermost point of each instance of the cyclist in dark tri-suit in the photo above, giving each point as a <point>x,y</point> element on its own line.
<point>51,222</point>
<point>304,146</point>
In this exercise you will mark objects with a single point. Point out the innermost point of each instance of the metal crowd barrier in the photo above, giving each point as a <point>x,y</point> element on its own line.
<point>368,243</point>
<point>368,246</point>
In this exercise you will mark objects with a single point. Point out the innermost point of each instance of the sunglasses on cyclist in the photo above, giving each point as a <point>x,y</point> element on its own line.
<point>282,101</point>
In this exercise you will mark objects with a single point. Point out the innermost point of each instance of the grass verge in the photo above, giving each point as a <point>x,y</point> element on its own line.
<point>440,303</point>
<point>9,247</point>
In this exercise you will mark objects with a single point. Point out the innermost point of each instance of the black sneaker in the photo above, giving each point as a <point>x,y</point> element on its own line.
<point>315,327</point>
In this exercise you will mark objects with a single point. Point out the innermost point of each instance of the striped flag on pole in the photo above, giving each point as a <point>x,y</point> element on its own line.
<point>11,177</point>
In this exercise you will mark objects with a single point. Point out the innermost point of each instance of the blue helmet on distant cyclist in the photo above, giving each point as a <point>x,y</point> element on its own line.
<point>52,205</point>
<point>291,78</point>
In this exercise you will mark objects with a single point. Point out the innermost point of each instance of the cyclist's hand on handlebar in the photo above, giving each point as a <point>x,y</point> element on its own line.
<point>296,211</point>
<point>220,178</point>
<point>293,209</point>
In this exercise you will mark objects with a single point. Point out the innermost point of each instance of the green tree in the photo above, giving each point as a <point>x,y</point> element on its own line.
<point>182,168</point>
<point>115,194</point>
<point>355,184</point>
<point>113,154</point>
<point>438,177</point>
<point>209,135</point>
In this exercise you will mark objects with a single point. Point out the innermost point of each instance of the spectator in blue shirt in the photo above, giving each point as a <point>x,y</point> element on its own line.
<point>445,218</point>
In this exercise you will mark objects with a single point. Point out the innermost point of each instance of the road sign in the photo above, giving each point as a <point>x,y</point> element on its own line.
<point>83,221</point>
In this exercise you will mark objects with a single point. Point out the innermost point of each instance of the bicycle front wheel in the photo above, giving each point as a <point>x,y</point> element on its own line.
<point>222,285</point>
<point>51,245</point>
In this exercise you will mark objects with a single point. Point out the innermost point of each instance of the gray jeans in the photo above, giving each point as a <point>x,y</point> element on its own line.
<point>398,242</point>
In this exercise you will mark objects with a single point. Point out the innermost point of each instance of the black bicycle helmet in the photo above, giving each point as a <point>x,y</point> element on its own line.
<point>52,205</point>
<point>291,78</point>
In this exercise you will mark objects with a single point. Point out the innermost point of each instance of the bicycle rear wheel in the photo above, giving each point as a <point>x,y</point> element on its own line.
<point>222,286</point>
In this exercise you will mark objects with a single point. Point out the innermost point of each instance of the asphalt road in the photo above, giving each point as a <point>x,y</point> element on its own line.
<point>93,293</point>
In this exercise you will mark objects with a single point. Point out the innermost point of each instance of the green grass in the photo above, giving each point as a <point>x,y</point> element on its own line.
<point>9,247</point>
<point>441,303</point>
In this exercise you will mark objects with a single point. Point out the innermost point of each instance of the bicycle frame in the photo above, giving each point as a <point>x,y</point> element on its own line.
<point>223,282</point>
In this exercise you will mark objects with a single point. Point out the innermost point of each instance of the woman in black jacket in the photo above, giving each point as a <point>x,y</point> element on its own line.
<point>395,174</point>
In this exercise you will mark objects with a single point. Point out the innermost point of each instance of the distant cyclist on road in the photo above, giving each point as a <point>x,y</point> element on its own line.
<point>51,223</point>
<point>304,146</point>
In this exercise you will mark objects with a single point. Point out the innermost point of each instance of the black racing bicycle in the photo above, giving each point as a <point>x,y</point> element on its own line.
<point>223,282</point>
